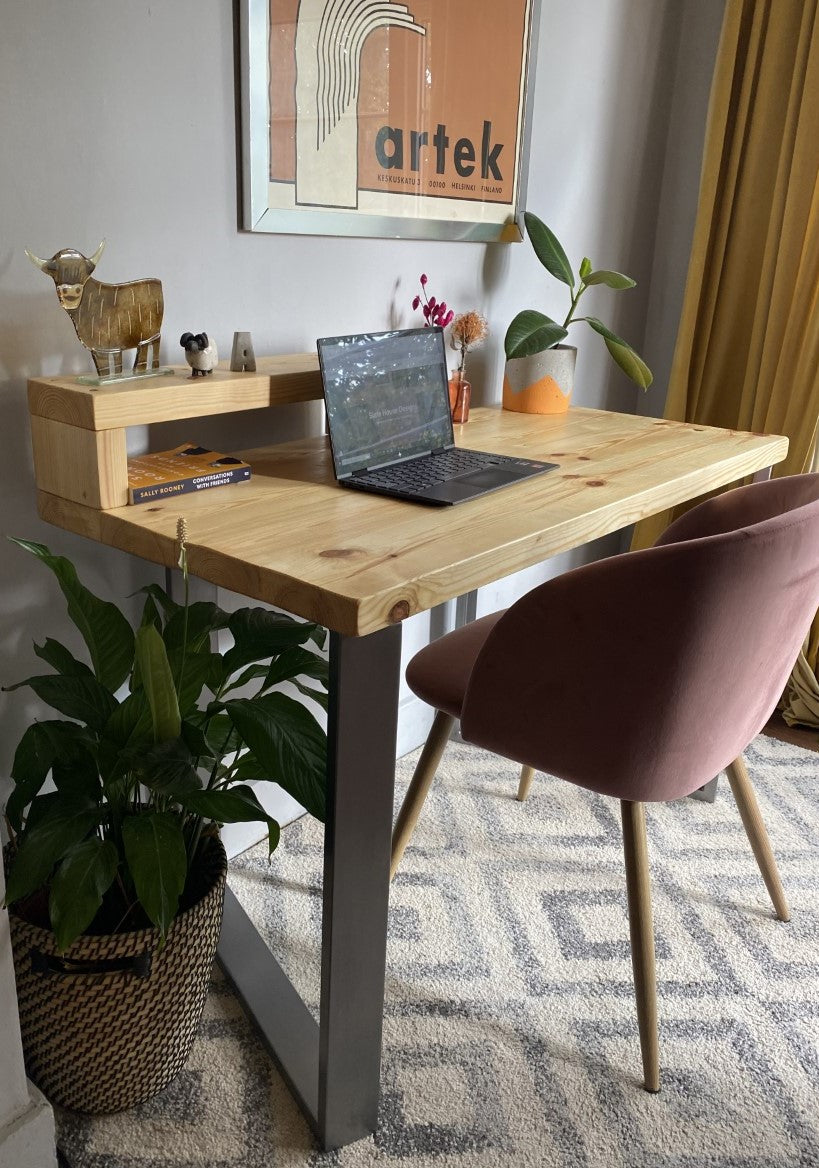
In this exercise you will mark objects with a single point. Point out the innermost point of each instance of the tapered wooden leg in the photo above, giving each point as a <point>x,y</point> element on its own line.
<point>758,836</point>
<point>641,927</point>
<point>525,784</point>
<point>419,786</point>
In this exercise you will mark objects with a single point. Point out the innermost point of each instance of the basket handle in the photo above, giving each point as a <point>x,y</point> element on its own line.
<point>48,963</point>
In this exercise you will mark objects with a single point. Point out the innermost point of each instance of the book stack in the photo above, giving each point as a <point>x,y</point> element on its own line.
<point>152,477</point>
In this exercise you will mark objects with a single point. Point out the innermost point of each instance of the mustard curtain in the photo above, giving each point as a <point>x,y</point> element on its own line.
<point>747,352</point>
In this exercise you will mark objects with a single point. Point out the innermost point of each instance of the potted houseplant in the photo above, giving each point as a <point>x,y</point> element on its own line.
<point>116,876</point>
<point>539,369</point>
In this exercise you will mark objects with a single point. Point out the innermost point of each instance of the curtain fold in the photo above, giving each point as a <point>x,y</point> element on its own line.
<point>747,351</point>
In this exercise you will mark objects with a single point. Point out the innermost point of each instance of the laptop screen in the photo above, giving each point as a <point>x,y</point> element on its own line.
<point>386,396</point>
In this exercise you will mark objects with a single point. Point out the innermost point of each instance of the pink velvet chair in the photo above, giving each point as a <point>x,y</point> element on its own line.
<point>689,644</point>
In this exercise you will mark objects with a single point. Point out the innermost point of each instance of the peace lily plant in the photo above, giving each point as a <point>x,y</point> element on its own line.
<point>532,332</point>
<point>156,746</point>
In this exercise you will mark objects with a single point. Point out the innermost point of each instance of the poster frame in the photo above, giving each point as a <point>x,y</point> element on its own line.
<point>257,214</point>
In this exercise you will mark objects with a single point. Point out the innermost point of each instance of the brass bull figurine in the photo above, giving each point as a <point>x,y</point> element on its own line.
<point>107,318</point>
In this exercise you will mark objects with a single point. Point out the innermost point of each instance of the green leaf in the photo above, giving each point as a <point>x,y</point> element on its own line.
<point>168,606</point>
<point>230,805</point>
<point>234,805</point>
<point>155,851</point>
<point>77,774</point>
<point>548,250</point>
<point>40,806</point>
<point>288,742</point>
<point>259,634</point>
<point>80,883</point>
<point>317,695</point>
<point>294,663</point>
<point>66,822</point>
<point>61,658</point>
<point>622,352</point>
<point>131,723</point>
<point>150,614</point>
<point>222,736</point>
<point>195,739</point>
<point>585,268</point>
<point>199,667</point>
<point>614,280</point>
<point>167,768</point>
<point>157,679</point>
<point>252,673</point>
<point>29,770</point>
<point>631,364</point>
<point>204,618</point>
<point>104,629</point>
<point>81,697</point>
<point>532,332</point>
<point>63,747</point>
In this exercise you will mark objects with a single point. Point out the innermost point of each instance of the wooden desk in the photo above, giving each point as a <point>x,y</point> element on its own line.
<point>360,564</point>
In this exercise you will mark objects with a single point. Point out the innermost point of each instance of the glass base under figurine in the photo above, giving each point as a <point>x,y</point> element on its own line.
<point>126,375</point>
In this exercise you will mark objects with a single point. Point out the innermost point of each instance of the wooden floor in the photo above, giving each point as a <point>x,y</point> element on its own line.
<point>796,735</point>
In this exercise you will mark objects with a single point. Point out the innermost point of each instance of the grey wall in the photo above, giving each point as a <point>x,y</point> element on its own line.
<point>119,122</point>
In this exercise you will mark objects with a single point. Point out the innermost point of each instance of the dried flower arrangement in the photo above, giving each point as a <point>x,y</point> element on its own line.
<point>468,330</point>
<point>436,312</point>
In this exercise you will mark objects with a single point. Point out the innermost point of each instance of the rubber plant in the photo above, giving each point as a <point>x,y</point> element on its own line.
<point>157,744</point>
<point>532,331</point>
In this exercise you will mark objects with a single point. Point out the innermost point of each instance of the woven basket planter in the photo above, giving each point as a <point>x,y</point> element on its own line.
<point>110,1022</point>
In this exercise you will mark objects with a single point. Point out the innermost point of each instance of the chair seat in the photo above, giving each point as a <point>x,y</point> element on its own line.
<point>438,673</point>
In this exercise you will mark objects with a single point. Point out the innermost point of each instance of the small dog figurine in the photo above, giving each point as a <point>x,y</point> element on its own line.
<point>200,353</point>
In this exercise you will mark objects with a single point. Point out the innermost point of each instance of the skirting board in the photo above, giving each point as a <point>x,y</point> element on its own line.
<point>28,1141</point>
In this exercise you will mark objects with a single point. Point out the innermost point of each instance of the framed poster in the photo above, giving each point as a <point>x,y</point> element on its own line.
<point>379,118</point>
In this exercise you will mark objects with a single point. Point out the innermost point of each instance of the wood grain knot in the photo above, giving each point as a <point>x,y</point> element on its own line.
<point>340,553</point>
<point>399,611</point>
<point>595,482</point>
<point>584,458</point>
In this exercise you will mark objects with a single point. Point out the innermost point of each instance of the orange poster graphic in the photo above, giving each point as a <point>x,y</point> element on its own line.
<point>389,111</point>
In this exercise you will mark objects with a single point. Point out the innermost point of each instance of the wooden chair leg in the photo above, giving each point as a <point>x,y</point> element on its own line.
<point>641,927</point>
<point>758,836</point>
<point>525,784</point>
<point>419,786</point>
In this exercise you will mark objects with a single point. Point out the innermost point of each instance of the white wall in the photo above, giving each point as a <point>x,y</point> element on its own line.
<point>119,122</point>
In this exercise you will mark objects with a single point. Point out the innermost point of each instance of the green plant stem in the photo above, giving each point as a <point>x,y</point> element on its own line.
<point>581,288</point>
<point>184,630</point>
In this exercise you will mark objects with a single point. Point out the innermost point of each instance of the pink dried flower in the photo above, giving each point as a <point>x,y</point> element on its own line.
<point>436,312</point>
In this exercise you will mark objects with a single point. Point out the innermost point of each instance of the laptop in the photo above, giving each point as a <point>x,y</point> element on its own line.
<point>388,414</point>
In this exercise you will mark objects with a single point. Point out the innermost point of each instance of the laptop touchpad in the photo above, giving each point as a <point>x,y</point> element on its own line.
<point>474,483</point>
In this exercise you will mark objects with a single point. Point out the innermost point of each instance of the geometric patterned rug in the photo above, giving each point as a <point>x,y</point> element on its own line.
<point>510,1034</point>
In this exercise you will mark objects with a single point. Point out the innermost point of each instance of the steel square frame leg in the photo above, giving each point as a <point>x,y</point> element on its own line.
<point>333,1069</point>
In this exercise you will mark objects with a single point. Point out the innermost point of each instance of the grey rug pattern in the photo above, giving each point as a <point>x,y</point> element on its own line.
<point>510,1033</point>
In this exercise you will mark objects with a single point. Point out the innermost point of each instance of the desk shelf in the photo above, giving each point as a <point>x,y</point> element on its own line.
<point>78,432</point>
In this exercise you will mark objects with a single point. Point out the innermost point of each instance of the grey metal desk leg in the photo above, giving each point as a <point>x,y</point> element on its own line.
<point>708,793</point>
<point>333,1069</point>
<point>364,676</point>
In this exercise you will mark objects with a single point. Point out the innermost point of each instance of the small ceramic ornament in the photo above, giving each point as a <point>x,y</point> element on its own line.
<point>200,353</point>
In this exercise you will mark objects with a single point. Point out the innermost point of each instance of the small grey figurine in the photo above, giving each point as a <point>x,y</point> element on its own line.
<point>200,353</point>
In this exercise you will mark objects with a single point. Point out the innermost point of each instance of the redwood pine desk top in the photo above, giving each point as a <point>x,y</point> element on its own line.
<point>357,562</point>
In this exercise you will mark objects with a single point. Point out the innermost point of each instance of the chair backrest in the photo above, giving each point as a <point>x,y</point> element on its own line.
<point>644,675</point>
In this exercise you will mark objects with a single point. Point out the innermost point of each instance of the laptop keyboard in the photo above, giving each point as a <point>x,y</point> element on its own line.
<point>419,473</point>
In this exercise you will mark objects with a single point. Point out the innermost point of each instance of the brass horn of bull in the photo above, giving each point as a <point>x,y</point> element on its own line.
<point>43,265</point>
